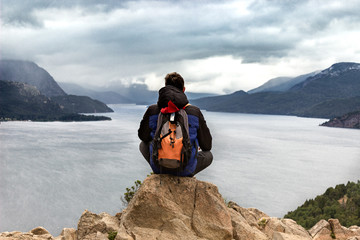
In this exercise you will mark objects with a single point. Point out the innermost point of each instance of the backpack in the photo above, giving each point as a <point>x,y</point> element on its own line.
<point>171,144</point>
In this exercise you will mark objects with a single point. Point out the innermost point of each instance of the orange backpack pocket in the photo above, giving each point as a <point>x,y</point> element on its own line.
<point>170,153</point>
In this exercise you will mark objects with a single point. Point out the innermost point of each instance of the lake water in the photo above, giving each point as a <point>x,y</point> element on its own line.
<point>51,172</point>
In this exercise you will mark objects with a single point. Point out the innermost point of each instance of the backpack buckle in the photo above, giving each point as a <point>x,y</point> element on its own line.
<point>172,117</point>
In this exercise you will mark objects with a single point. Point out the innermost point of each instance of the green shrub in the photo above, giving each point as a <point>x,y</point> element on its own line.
<point>130,192</point>
<point>262,223</point>
<point>112,235</point>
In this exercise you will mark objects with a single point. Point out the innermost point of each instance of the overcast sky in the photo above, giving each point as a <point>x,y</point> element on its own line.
<point>217,46</point>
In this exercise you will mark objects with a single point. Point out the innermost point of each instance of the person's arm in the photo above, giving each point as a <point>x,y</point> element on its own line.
<point>148,123</point>
<point>144,129</point>
<point>204,136</point>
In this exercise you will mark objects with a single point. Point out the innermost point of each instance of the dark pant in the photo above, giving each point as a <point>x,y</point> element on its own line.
<point>204,158</point>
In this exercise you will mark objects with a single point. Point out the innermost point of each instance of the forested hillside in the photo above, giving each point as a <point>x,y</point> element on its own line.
<point>341,202</point>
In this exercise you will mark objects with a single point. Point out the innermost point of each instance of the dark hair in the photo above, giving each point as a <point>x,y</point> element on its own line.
<point>174,79</point>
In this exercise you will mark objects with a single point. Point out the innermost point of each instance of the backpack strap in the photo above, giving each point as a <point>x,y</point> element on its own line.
<point>183,117</point>
<point>185,120</point>
<point>157,141</point>
<point>186,106</point>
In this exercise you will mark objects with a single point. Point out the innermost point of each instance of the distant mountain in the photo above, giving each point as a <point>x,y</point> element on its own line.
<point>281,84</point>
<point>115,94</point>
<point>273,85</point>
<point>221,103</point>
<point>341,80</point>
<point>30,73</point>
<point>192,95</point>
<point>20,101</point>
<point>135,93</point>
<point>140,94</point>
<point>108,97</point>
<point>335,90</point>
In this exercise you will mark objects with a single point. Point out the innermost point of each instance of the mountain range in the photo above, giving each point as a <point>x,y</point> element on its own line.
<point>332,92</point>
<point>329,93</point>
<point>29,92</point>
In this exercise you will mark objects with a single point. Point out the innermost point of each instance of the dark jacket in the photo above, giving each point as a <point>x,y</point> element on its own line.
<point>199,133</point>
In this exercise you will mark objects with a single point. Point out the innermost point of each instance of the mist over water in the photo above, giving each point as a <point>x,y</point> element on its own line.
<point>51,172</point>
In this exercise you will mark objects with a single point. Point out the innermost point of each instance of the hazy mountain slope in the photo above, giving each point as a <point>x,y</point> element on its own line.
<point>30,73</point>
<point>135,93</point>
<point>192,95</point>
<point>108,97</point>
<point>272,85</point>
<point>281,84</point>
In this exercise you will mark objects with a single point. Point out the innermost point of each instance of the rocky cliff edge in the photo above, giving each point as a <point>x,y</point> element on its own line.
<point>169,207</point>
<point>350,120</point>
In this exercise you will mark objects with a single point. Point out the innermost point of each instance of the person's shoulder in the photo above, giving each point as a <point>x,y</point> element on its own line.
<point>153,109</point>
<point>193,110</point>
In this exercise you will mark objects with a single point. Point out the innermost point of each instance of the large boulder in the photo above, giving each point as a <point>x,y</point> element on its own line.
<point>169,207</point>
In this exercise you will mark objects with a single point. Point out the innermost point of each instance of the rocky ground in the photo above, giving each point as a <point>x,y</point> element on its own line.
<point>168,207</point>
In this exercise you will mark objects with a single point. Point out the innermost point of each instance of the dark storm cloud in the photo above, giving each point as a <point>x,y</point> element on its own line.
<point>192,29</point>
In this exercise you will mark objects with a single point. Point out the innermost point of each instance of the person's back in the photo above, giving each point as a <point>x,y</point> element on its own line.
<point>171,99</point>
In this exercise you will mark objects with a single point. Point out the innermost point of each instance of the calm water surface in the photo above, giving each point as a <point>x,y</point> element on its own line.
<point>51,172</point>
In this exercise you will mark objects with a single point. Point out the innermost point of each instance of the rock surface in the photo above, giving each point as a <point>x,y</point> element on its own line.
<point>169,207</point>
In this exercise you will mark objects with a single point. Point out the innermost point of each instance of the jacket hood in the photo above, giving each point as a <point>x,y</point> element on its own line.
<point>173,94</point>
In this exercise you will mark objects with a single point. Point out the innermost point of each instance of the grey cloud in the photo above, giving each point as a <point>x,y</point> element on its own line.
<point>19,12</point>
<point>177,34</point>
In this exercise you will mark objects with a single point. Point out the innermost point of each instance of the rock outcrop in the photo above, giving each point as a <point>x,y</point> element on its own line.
<point>350,120</point>
<point>329,230</point>
<point>169,207</point>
